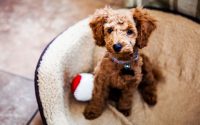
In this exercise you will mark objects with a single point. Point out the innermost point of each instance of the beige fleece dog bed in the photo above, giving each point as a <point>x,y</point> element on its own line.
<point>174,46</point>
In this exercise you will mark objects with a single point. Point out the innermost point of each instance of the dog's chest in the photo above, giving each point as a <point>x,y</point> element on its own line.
<point>111,67</point>
<point>121,74</point>
<point>127,71</point>
<point>117,74</point>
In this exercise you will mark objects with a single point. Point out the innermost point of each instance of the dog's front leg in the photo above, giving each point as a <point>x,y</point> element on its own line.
<point>100,93</point>
<point>148,85</point>
<point>127,93</point>
<point>125,101</point>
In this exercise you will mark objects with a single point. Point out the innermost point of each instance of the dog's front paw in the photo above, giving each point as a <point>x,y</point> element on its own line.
<point>150,98</point>
<point>92,112</point>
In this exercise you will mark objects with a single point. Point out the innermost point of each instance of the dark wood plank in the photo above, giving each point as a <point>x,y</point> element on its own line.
<point>36,120</point>
<point>17,99</point>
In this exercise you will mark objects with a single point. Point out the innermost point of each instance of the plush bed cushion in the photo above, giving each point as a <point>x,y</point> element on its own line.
<point>174,46</point>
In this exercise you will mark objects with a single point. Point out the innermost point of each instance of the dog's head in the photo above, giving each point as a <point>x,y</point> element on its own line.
<point>121,31</point>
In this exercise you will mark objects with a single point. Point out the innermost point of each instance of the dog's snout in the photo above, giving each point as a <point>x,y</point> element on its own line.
<point>117,47</point>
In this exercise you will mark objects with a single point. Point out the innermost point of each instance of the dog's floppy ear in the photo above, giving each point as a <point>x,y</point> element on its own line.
<point>97,25</point>
<point>145,25</point>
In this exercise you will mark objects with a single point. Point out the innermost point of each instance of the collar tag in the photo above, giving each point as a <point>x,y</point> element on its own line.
<point>127,66</point>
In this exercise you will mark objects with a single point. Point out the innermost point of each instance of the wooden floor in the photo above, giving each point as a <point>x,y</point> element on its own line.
<point>25,29</point>
<point>18,103</point>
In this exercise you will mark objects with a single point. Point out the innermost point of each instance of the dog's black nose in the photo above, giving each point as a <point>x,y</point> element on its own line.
<point>117,47</point>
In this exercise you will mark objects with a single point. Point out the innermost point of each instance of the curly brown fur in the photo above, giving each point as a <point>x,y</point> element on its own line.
<point>110,27</point>
<point>147,87</point>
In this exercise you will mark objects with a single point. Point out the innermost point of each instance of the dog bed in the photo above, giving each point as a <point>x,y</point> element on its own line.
<point>174,46</point>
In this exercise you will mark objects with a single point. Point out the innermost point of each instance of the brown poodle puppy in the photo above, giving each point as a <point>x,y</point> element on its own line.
<point>123,69</point>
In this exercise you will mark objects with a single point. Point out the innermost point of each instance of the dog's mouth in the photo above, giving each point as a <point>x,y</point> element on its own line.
<point>123,55</point>
<point>127,53</point>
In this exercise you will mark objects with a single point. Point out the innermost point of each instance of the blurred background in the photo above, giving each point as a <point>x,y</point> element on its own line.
<point>27,26</point>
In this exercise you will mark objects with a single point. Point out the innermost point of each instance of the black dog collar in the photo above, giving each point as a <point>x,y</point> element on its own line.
<point>127,64</point>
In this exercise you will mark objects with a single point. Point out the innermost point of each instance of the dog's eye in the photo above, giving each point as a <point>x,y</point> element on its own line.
<point>110,30</point>
<point>129,31</point>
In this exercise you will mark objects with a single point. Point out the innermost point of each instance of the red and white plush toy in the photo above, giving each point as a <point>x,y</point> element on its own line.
<point>82,86</point>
